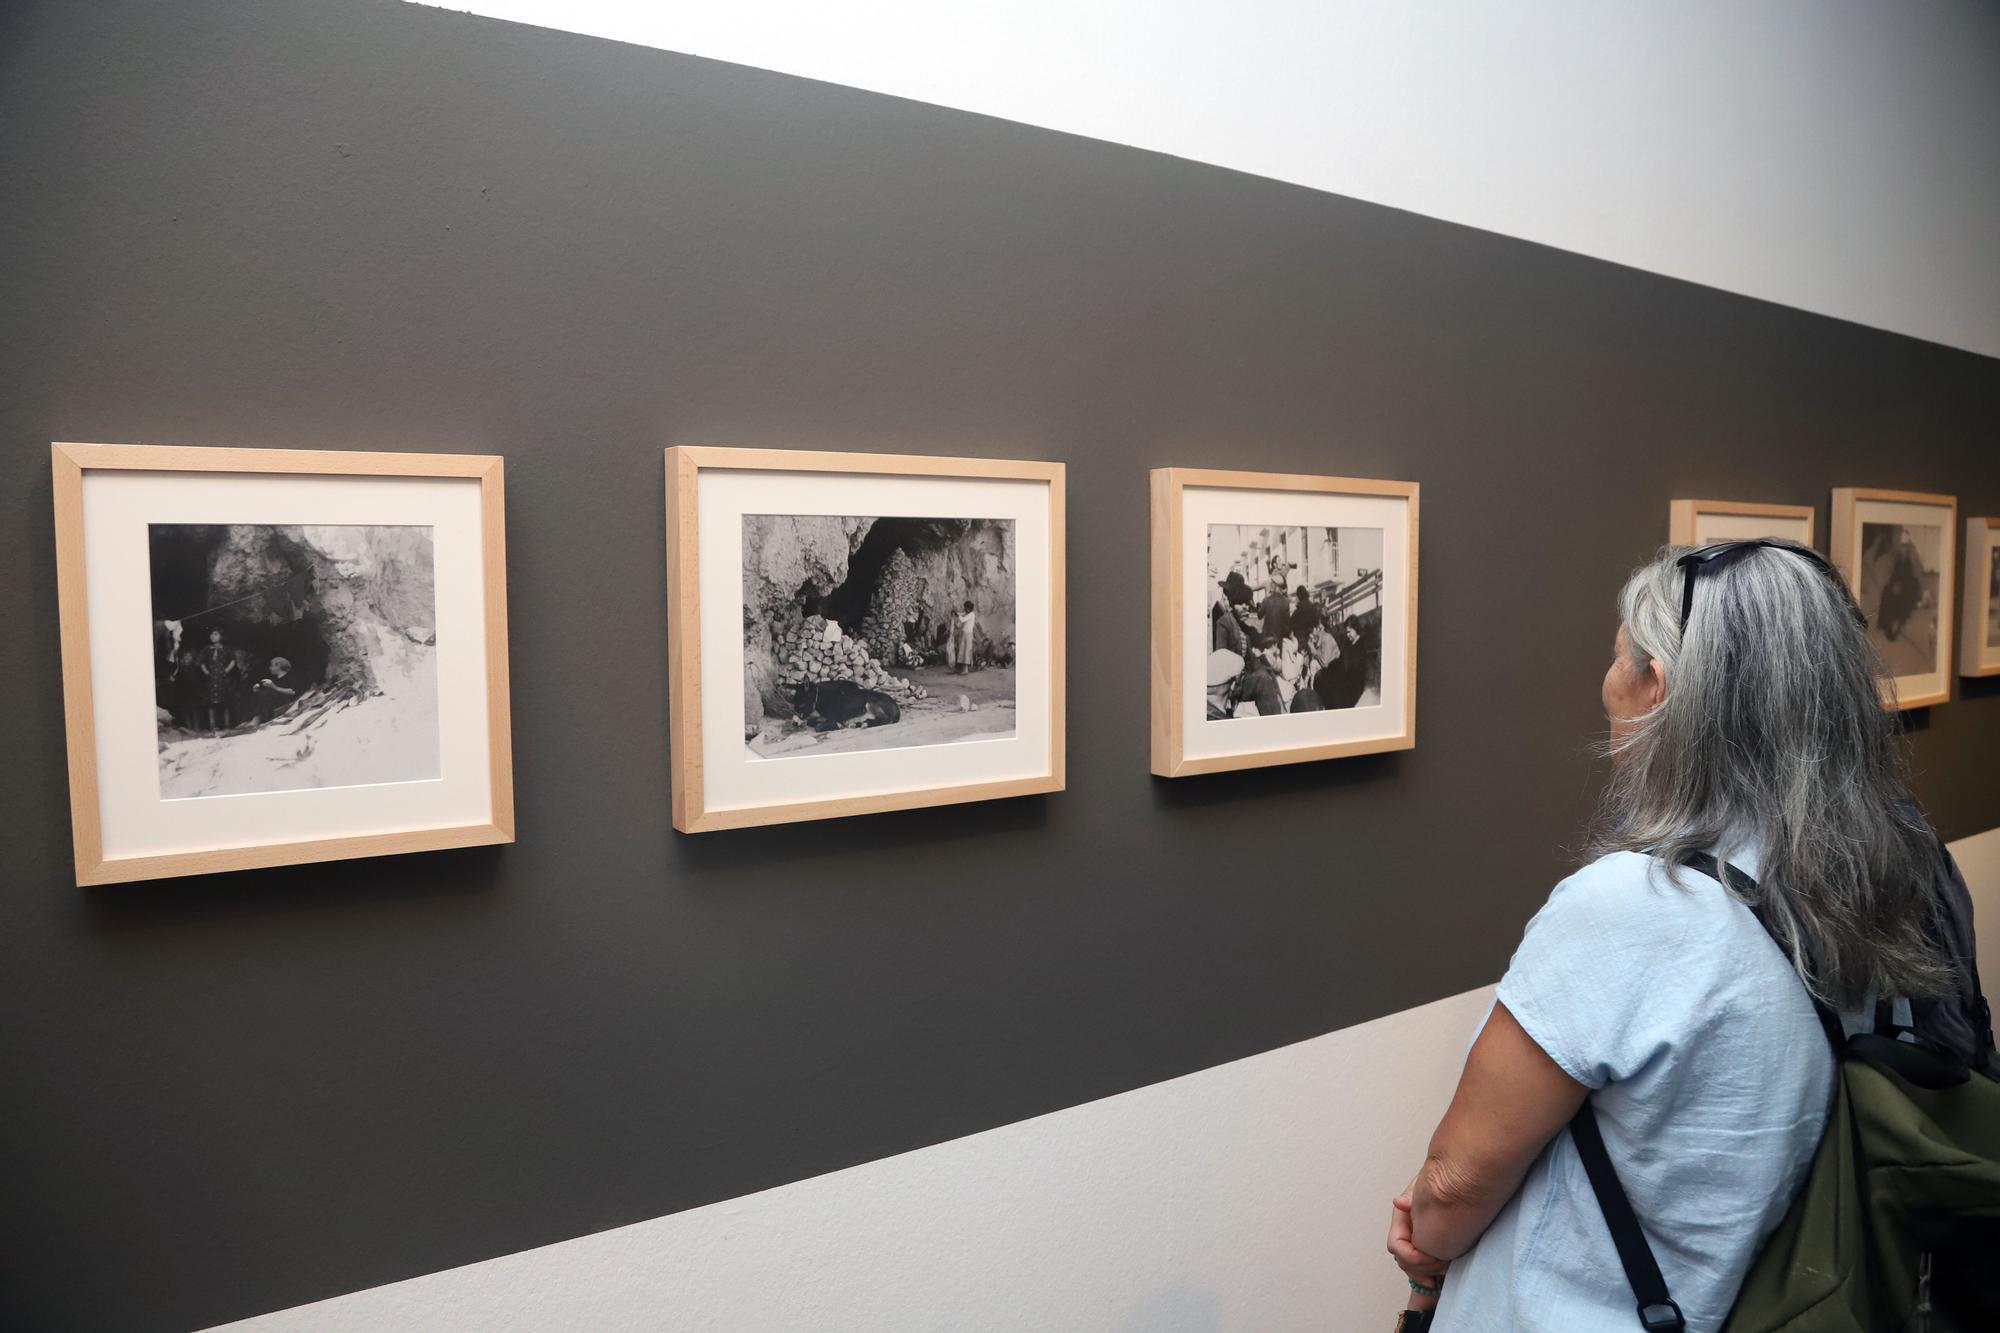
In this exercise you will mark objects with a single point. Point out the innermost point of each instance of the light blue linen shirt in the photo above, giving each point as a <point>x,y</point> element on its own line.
<point>1713,1081</point>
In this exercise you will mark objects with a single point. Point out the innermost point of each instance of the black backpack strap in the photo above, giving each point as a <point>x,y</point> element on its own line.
<point>1657,1311</point>
<point>1730,877</point>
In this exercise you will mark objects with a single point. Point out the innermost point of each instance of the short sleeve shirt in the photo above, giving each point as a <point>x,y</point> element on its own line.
<point>1712,1081</point>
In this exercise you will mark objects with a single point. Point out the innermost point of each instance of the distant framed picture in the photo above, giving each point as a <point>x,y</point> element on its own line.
<point>853,633</point>
<point>1979,635</point>
<point>1705,522</point>
<point>1284,618</point>
<point>1895,548</point>
<point>276,656</point>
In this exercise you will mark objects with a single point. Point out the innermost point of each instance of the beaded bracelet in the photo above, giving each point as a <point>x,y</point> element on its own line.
<point>1422,1290</point>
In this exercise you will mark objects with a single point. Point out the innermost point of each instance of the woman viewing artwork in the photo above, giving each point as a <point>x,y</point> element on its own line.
<point>1746,723</point>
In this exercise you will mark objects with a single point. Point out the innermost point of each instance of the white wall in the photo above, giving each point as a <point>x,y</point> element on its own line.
<point>1979,857</point>
<point>1841,156</point>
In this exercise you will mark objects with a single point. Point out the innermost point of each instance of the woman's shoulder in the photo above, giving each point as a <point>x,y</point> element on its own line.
<point>1627,871</point>
<point>1626,889</point>
<point>1614,876</point>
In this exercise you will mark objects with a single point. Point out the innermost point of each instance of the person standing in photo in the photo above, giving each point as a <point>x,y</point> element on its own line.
<point>1306,617</point>
<point>185,691</point>
<point>964,630</point>
<point>215,662</point>
<point>1236,588</point>
<point>1345,679</point>
<point>1274,615</point>
<point>1225,630</point>
<point>1322,672</point>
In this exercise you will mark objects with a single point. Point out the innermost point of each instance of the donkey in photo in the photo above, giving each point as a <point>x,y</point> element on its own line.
<point>833,704</point>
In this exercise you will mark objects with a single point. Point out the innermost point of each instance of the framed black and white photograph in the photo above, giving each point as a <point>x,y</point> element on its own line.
<point>277,656</point>
<point>1979,632</point>
<point>1284,618</point>
<point>1895,549</point>
<point>860,632</point>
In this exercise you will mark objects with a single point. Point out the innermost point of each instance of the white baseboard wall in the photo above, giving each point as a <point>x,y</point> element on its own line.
<point>1247,1198</point>
<point>1979,857</point>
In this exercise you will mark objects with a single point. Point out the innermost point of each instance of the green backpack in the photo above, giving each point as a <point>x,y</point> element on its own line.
<point>1897,1228</point>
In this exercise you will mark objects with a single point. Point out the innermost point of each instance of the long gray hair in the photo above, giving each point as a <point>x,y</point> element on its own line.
<point>1773,731</point>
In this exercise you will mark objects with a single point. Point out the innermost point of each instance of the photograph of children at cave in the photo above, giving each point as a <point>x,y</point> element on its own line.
<point>289,657</point>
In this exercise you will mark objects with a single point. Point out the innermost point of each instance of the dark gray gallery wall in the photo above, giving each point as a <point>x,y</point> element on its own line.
<point>364,225</point>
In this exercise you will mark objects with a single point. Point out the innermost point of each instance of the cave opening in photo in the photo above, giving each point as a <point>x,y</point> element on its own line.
<point>878,579</point>
<point>276,620</point>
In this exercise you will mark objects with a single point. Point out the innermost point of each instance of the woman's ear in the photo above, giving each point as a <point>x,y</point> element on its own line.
<point>1656,683</point>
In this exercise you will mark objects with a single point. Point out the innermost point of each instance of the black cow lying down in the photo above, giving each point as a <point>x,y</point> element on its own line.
<point>832,704</point>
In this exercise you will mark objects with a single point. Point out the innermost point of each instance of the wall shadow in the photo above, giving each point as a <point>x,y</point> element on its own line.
<point>1978,687</point>
<point>775,845</point>
<point>123,909</point>
<point>1255,784</point>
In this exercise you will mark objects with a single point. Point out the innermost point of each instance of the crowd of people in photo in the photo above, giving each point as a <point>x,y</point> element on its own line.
<point>1287,651</point>
<point>204,684</point>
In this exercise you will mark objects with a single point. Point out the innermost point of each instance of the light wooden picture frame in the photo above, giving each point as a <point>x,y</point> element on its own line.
<point>382,574</point>
<point>853,633</point>
<point>1896,551</point>
<point>1704,522</point>
<point>1979,627</point>
<point>1340,655</point>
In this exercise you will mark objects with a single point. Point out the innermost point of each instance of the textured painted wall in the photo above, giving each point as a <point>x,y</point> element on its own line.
<point>368,225</point>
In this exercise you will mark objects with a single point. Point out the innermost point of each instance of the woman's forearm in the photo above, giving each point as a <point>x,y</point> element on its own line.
<point>1450,1209</point>
<point>1511,1100</point>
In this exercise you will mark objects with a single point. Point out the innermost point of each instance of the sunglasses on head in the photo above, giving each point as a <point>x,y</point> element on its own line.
<point>1723,554</point>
